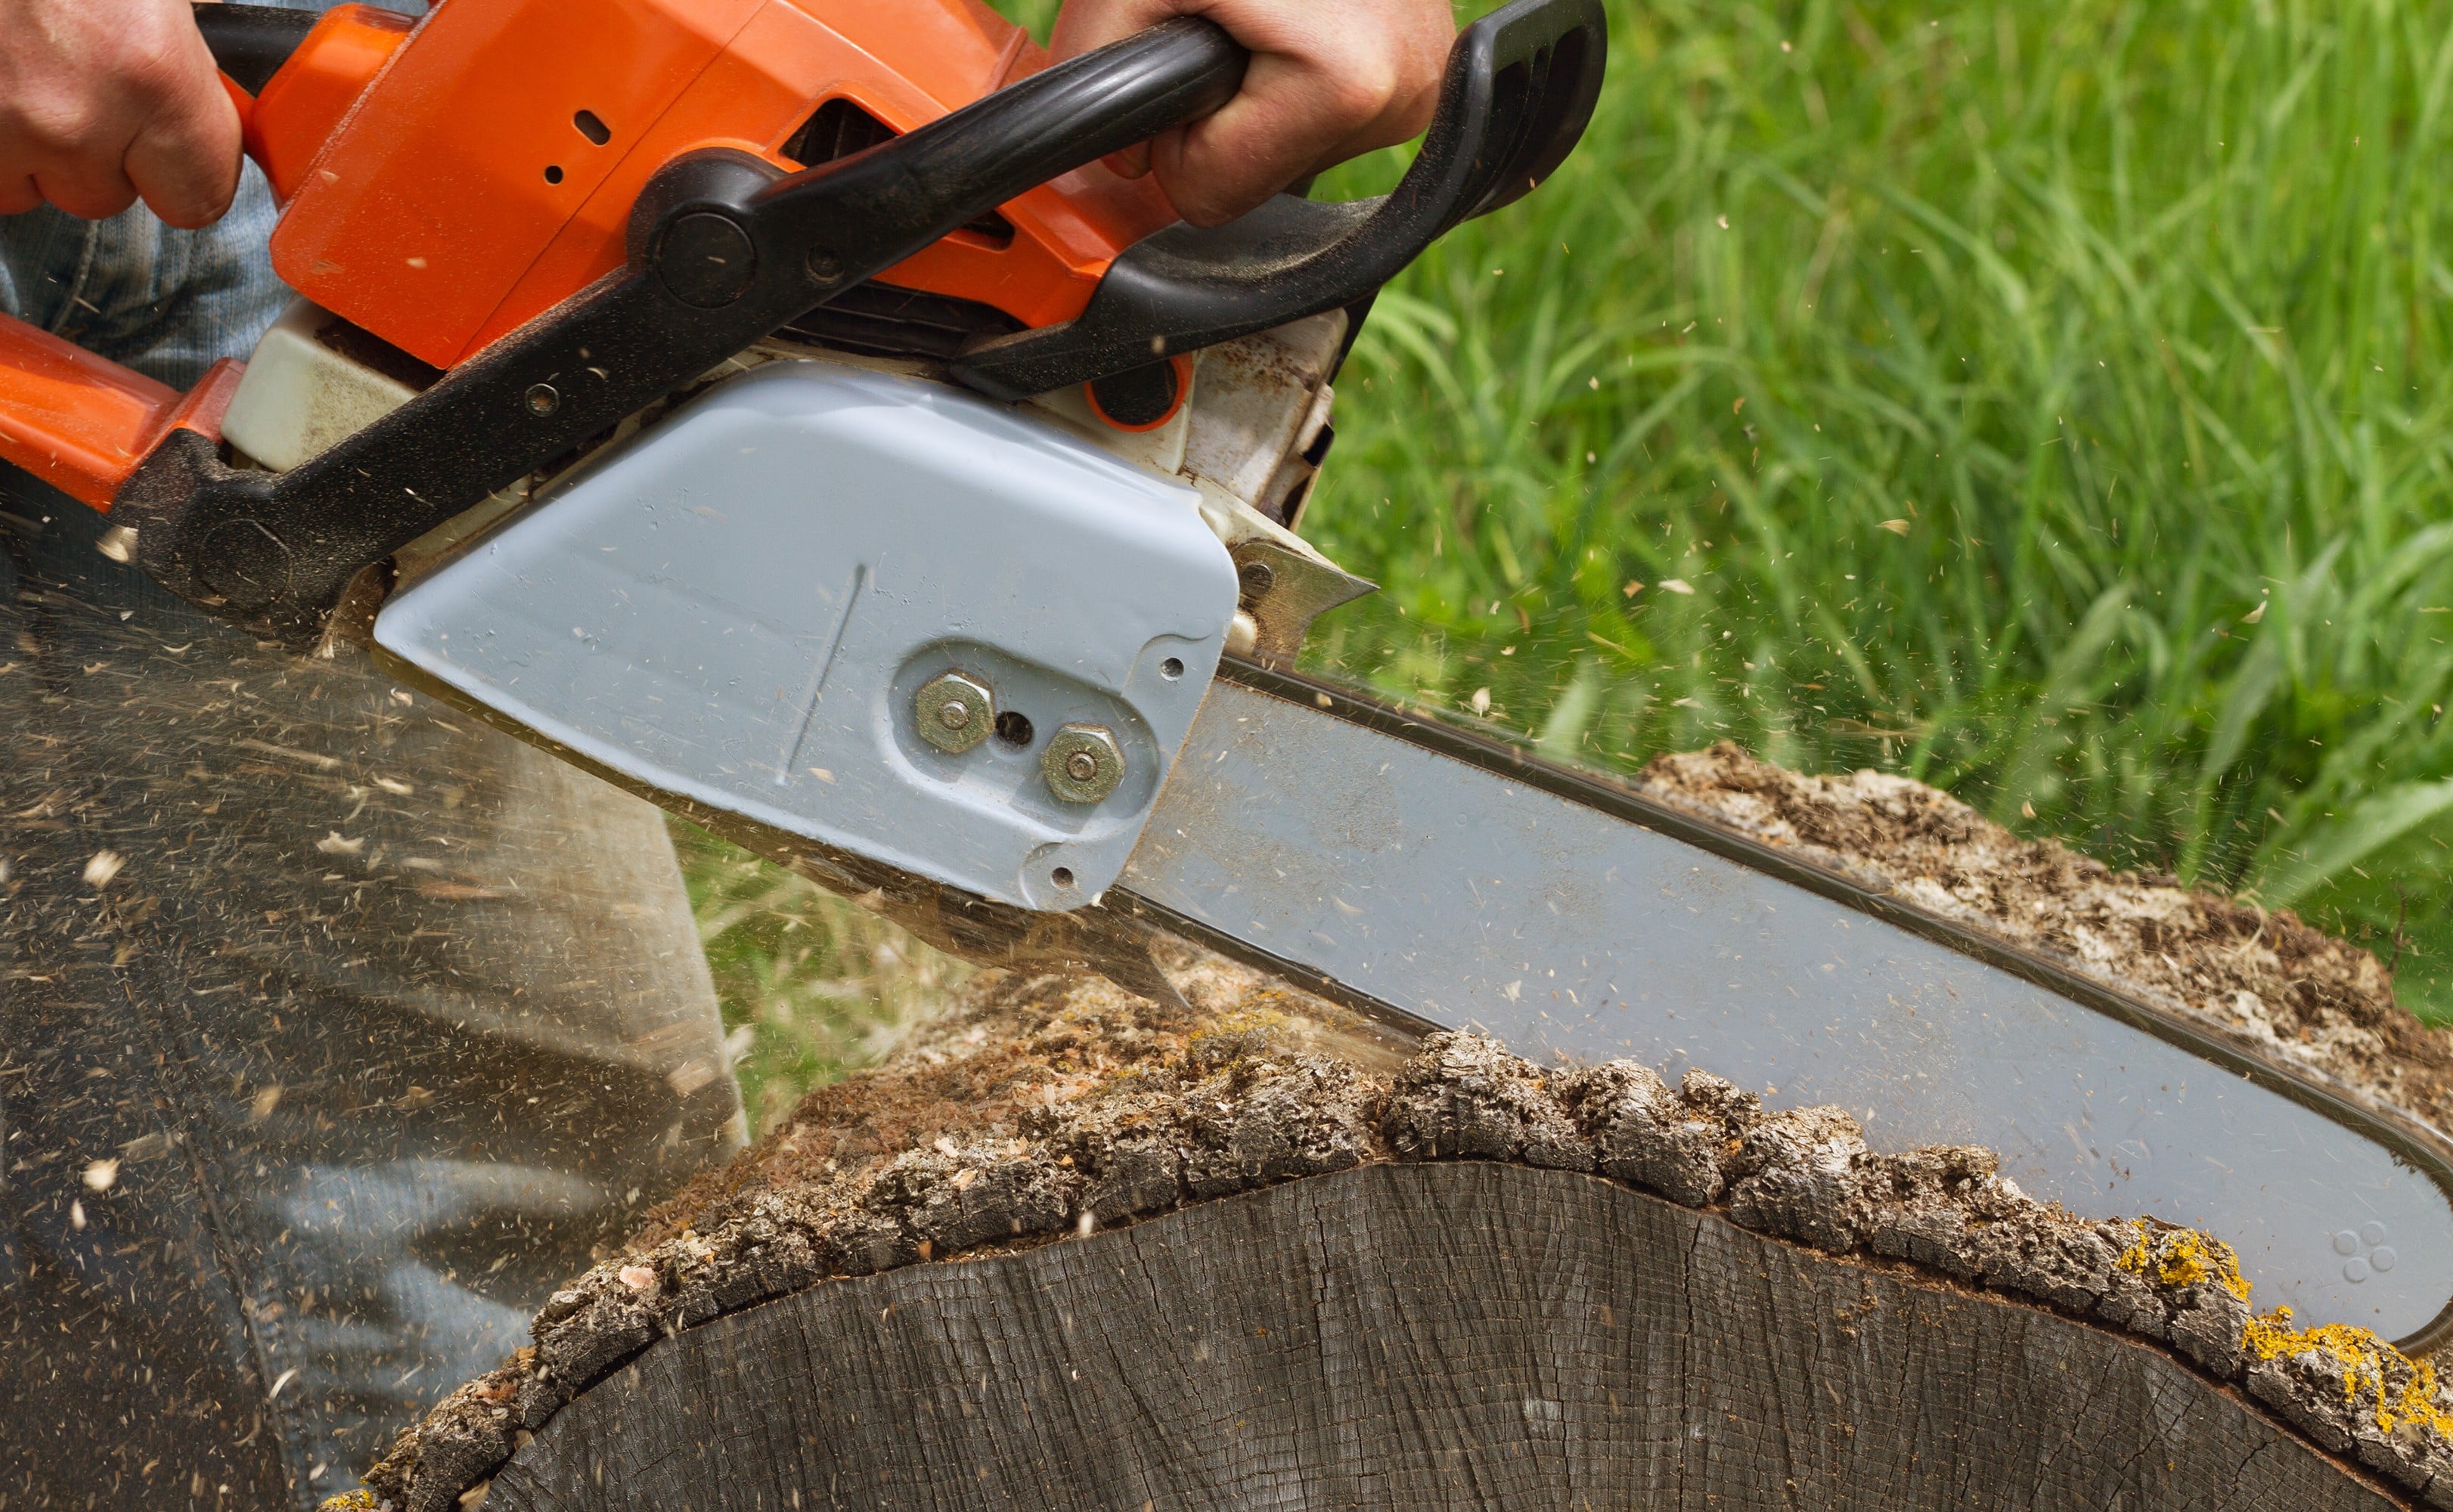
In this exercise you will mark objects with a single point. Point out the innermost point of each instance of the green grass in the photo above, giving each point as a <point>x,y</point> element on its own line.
<point>2038,399</point>
<point>2041,399</point>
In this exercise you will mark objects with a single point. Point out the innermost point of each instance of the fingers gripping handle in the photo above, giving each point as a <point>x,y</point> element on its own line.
<point>84,424</point>
<point>1520,88</point>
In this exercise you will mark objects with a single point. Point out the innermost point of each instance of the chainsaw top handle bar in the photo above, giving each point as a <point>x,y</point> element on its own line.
<point>724,248</point>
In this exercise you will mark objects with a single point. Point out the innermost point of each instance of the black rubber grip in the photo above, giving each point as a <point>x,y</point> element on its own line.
<point>250,43</point>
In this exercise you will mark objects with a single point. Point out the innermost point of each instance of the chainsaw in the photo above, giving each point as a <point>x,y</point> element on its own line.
<point>776,408</point>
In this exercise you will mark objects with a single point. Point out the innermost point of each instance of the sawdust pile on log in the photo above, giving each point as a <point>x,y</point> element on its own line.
<point>2264,976</point>
<point>1045,1106</point>
<point>1014,1045</point>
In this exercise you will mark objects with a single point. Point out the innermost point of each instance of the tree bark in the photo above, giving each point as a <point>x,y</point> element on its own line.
<point>1453,1335</point>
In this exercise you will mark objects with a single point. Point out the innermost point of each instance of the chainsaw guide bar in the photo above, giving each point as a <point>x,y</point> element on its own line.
<point>1377,853</point>
<point>1431,878</point>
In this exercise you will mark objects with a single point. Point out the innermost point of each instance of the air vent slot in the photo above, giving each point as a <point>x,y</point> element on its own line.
<point>884,321</point>
<point>839,129</point>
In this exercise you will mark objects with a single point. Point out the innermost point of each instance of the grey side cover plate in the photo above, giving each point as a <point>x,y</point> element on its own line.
<point>1469,897</point>
<point>739,607</point>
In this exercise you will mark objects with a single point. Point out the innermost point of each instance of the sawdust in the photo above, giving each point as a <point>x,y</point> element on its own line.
<point>1051,1104</point>
<point>1008,1048</point>
<point>2263,976</point>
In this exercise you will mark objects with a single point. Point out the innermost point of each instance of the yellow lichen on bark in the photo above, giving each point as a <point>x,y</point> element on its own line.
<point>2183,1257</point>
<point>2405,1388</point>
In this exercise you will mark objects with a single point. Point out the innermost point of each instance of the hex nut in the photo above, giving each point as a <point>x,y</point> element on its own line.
<point>1082,764</point>
<point>954,711</point>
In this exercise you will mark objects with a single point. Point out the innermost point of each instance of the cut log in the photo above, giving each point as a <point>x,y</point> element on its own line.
<point>1077,1250</point>
<point>1457,1335</point>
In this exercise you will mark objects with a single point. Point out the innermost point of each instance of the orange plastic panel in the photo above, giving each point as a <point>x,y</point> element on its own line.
<point>75,420</point>
<point>751,97</point>
<point>304,103</point>
<point>1068,231</point>
<point>201,408</point>
<point>468,157</point>
<point>907,65</point>
<point>467,190</point>
<point>240,101</point>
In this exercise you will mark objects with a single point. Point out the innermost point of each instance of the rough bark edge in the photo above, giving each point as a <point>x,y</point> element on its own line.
<point>1150,1146</point>
<point>2279,987</point>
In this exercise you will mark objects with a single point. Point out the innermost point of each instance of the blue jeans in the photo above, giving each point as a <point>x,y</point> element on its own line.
<point>335,1028</point>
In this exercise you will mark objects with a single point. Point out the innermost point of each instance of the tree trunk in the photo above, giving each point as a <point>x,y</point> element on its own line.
<point>1076,1250</point>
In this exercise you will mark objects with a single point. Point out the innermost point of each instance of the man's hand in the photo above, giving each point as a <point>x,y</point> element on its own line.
<point>105,101</point>
<point>1329,79</point>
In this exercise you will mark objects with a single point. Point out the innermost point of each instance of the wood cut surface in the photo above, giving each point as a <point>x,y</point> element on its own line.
<point>1419,1336</point>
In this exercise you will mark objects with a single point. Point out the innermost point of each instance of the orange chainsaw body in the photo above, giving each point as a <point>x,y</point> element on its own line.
<point>445,181</point>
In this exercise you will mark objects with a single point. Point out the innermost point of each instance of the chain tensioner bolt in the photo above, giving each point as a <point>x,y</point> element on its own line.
<point>1082,764</point>
<point>954,711</point>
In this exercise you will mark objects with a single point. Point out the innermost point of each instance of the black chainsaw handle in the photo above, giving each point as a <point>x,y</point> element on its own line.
<point>945,174</point>
<point>1520,88</point>
<point>724,250</point>
<point>721,236</point>
<point>250,43</point>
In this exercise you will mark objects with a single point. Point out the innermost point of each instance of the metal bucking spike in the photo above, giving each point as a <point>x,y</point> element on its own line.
<point>954,711</point>
<point>1082,764</point>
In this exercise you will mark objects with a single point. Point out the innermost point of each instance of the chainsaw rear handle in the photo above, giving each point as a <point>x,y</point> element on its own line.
<point>1520,89</point>
<point>724,248</point>
<point>80,422</point>
<point>84,424</point>
<point>250,43</point>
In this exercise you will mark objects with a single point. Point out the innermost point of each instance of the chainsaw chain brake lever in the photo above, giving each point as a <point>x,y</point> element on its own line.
<point>1520,88</point>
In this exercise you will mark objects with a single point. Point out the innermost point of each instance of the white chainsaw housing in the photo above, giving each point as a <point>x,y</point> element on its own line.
<point>739,605</point>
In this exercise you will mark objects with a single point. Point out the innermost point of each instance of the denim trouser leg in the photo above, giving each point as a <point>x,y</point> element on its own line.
<point>334,1027</point>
